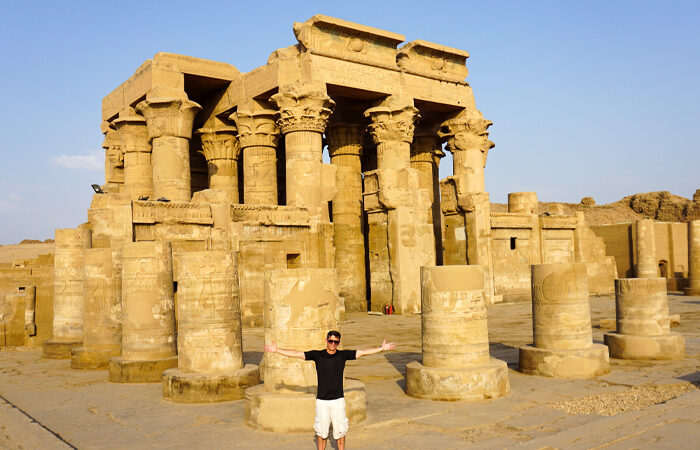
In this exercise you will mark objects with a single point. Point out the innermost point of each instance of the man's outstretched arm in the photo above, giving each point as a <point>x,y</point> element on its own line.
<point>272,348</point>
<point>371,351</point>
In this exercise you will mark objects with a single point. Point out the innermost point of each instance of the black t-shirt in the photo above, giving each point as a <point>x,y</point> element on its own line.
<point>329,371</point>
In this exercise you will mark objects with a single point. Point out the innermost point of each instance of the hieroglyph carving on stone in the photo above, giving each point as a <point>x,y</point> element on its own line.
<point>302,107</point>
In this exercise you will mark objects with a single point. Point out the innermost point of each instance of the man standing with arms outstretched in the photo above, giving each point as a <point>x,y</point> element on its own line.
<point>330,400</point>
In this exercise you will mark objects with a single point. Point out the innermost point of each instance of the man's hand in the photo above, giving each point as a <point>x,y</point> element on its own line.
<point>372,351</point>
<point>389,346</point>
<point>270,348</point>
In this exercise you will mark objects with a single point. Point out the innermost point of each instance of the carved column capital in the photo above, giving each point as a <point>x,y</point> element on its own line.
<point>392,123</point>
<point>423,148</point>
<point>114,153</point>
<point>467,133</point>
<point>133,133</point>
<point>219,143</point>
<point>345,139</point>
<point>256,129</point>
<point>302,107</point>
<point>168,116</point>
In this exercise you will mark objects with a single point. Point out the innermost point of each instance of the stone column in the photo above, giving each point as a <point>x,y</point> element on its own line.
<point>136,146</point>
<point>345,149</point>
<point>400,238</point>
<point>456,364</point>
<point>693,258</point>
<point>210,346</point>
<point>114,161</point>
<point>467,140</point>
<point>258,135</point>
<point>523,203</point>
<point>301,306</point>
<point>220,147</point>
<point>169,123</point>
<point>647,266</point>
<point>643,325</point>
<point>303,113</point>
<point>148,314</point>
<point>103,306</point>
<point>68,298</point>
<point>423,160</point>
<point>561,323</point>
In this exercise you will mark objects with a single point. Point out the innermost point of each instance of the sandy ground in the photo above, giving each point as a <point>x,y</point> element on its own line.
<point>12,253</point>
<point>44,404</point>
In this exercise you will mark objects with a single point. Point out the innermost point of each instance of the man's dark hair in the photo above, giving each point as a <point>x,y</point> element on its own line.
<point>333,333</point>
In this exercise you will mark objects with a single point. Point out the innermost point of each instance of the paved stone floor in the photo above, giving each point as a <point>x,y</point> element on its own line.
<point>44,404</point>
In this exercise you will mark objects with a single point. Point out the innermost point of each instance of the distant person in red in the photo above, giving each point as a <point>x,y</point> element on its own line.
<point>330,400</point>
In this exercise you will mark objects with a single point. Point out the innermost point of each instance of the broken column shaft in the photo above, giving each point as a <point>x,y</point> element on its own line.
<point>643,325</point>
<point>148,314</point>
<point>693,258</point>
<point>210,345</point>
<point>561,323</point>
<point>68,298</point>
<point>456,364</point>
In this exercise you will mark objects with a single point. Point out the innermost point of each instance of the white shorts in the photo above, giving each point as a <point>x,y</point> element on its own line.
<point>331,412</point>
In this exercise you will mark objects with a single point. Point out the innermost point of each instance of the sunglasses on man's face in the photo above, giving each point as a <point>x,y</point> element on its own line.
<point>331,341</point>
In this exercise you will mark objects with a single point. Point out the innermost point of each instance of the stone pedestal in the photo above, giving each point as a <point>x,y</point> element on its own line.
<point>68,298</point>
<point>301,306</point>
<point>103,304</point>
<point>456,364</point>
<point>561,322</point>
<point>345,149</point>
<point>647,266</point>
<point>220,148</point>
<point>643,325</point>
<point>136,146</point>
<point>693,258</point>
<point>148,314</point>
<point>210,352</point>
<point>258,135</point>
<point>169,122</point>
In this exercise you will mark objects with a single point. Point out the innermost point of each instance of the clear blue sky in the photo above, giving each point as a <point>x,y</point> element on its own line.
<point>595,98</point>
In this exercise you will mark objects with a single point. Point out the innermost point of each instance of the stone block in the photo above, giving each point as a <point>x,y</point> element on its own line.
<point>629,346</point>
<point>294,413</point>
<point>473,383</point>
<point>578,363</point>
<point>123,370</point>
<point>190,387</point>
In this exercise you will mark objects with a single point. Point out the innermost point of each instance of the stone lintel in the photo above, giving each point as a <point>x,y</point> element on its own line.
<point>512,220</point>
<point>433,60</point>
<point>558,222</point>
<point>348,41</point>
<point>270,215</point>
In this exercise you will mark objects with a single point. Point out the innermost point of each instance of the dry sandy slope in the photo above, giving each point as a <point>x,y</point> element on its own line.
<point>11,253</point>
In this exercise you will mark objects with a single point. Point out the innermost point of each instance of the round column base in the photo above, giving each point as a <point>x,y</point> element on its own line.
<point>57,349</point>
<point>123,370</point>
<point>295,413</point>
<point>629,346</point>
<point>92,358</point>
<point>189,387</point>
<point>582,363</point>
<point>692,291</point>
<point>473,383</point>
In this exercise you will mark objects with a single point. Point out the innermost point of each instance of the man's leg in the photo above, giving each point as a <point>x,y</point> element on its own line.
<point>341,443</point>
<point>322,423</point>
<point>339,421</point>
